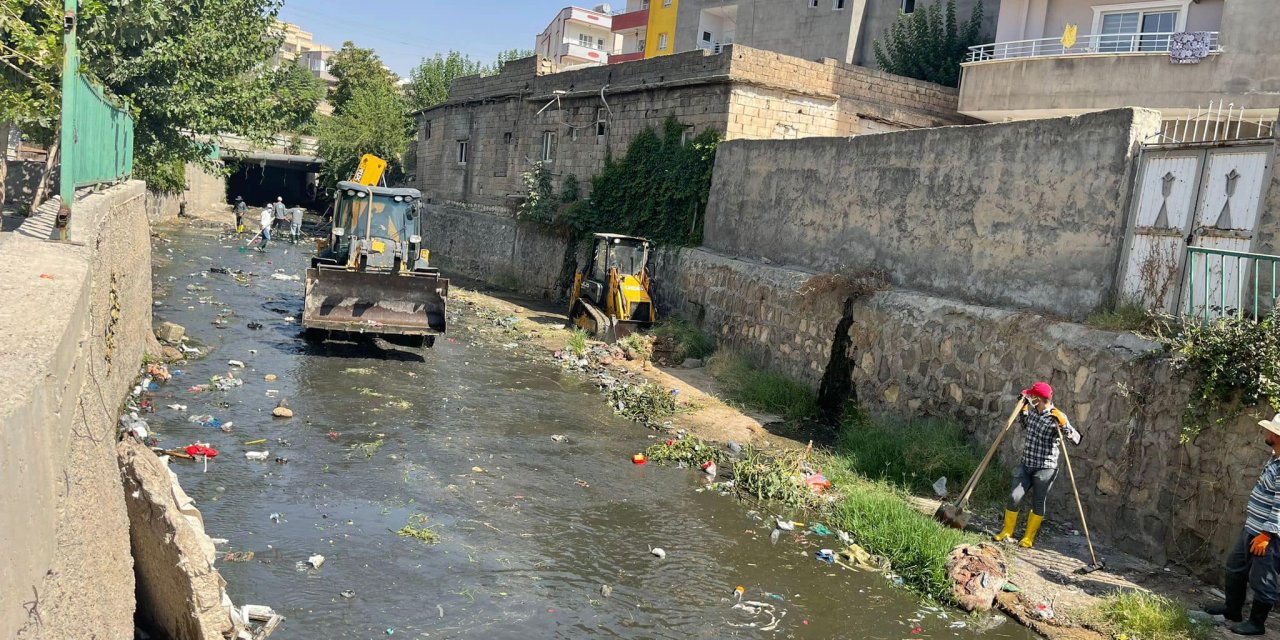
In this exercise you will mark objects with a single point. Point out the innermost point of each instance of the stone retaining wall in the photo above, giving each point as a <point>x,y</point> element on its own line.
<point>495,249</point>
<point>915,354</point>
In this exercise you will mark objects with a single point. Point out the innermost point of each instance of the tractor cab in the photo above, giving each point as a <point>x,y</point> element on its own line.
<point>376,227</point>
<point>611,297</point>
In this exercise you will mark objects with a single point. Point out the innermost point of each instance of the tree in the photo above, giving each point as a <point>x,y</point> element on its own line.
<point>429,81</point>
<point>298,92</point>
<point>374,119</point>
<point>30,64</point>
<point>192,70</point>
<point>356,67</point>
<point>929,44</point>
<point>507,56</point>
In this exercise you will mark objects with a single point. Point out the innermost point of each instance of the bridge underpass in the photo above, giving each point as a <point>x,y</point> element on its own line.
<point>261,177</point>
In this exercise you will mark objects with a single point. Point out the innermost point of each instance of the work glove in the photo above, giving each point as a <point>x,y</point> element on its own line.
<point>1259,545</point>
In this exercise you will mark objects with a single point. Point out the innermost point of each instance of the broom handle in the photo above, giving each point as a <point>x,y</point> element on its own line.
<point>970,486</point>
<point>1071,474</point>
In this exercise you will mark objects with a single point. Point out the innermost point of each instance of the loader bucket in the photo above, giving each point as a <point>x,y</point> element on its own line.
<point>374,302</point>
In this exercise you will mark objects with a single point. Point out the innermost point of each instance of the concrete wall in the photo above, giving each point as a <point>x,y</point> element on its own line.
<point>742,93</point>
<point>1029,19</point>
<point>1029,214</point>
<point>204,192</point>
<point>790,28</point>
<point>915,354</point>
<point>1244,74</point>
<point>64,534</point>
<point>495,249</point>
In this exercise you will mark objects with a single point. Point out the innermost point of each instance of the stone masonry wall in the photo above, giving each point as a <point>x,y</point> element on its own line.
<point>1029,214</point>
<point>77,321</point>
<point>916,354</point>
<point>494,249</point>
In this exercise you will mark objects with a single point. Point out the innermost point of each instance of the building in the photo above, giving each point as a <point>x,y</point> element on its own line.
<point>473,149</point>
<point>631,27</point>
<point>577,36</point>
<point>1121,56</point>
<point>301,49</point>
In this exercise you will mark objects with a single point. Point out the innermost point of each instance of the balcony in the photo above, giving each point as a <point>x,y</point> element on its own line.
<point>631,20</point>
<point>615,58</point>
<point>576,52</point>
<point>1041,78</point>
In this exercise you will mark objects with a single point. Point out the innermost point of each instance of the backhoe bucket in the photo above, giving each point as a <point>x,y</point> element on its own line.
<point>374,302</point>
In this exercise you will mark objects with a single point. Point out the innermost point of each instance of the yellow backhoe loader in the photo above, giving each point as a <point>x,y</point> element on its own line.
<point>611,298</point>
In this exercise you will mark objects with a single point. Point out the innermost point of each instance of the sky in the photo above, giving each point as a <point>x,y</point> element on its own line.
<point>403,32</point>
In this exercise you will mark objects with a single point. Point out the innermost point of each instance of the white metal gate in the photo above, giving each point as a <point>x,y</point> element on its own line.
<point>1204,196</point>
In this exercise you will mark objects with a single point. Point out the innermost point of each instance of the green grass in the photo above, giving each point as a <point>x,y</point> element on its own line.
<point>912,454</point>
<point>1126,316</point>
<point>637,346</point>
<point>689,341</point>
<point>1147,616</point>
<point>578,342</point>
<point>764,390</point>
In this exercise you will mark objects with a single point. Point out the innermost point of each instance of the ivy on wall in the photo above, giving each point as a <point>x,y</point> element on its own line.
<point>657,190</point>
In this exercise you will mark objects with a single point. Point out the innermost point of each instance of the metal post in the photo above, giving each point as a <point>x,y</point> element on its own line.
<point>70,84</point>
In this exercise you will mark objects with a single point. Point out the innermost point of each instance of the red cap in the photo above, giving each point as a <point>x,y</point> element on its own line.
<point>1039,390</point>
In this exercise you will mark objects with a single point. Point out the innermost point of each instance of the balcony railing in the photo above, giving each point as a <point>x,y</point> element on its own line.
<point>1086,45</point>
<point>715,48</point>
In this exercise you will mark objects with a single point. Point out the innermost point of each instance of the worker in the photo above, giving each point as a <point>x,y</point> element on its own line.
<point>281,215</point>
<point>1254,559</point>
<point>266,220</point>
<point>295,229</point>
<point>240,208</point>
<point>1042,423</point>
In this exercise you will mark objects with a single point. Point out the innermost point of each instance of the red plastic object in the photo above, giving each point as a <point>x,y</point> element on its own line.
<point>201,450</point>
<point>639,459</point>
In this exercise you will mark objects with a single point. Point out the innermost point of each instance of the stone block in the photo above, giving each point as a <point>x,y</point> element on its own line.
<point>170,332</point>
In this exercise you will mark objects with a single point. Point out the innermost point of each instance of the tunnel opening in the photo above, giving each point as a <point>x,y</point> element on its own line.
<point>260,183</point>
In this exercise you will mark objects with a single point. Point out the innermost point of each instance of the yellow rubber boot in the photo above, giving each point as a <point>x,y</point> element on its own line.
<point>1033,527</point>
<point>1010,521</point>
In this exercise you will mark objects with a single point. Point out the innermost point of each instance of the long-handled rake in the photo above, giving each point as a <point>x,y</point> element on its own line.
<point>1095,565</point>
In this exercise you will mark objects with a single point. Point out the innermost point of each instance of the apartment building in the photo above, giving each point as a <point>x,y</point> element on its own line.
<point>1066,57</point>
<point>578,37</point>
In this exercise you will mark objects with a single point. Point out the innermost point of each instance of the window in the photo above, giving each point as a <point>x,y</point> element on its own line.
<point>1122,28</point>
<point>426,131</point>
<point>686,134</point>
<point>813,4</point>
<point>462,151</point>
<point>666,3</point>
<point>600,44</point>
<point>548,146</point>
<point>706,36</point>
<point>602,123</point>
<point>506,138</point>
<point>640,45</point>
<point>908,6</point>
<point>662,42</point>
<point>838,5</point>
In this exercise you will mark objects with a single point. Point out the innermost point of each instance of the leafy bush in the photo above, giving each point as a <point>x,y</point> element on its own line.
<point>646,403</point>
<point>658,190</point>
<point>912,454</point>
<point>765,390</point>
<point>578,342</point>
<point>689,341</point>
<point>1236,363</point>
<point>691,451</point>
<point>1147,616</point>
<point>929,43</point>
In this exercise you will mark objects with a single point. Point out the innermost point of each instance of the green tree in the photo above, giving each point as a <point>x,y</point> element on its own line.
<point>929,44</point>
<point>297,94</point>
<point>355,68</point>
<point>374,119</point>
<point>192,70</point>
<point>507,56</point>
<point>429,81</point>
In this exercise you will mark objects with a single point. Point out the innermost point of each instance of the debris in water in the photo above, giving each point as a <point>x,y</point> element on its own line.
<point>940,487</point>
<point>606,590</point>
<point>477,470</point>
<point>315,561</point>
<point>825,555</point>
<point>235,363</point>
<point>639,459</point>
<point>786,525</point>
<point>257,456</point>
<point>276,517</point>
<point>348,593</point>
<point>658,551</point>
<point>238,556</point>
<point>560,437</point>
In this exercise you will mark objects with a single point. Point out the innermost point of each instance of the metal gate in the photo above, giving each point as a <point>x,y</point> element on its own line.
<point>1193,195</point>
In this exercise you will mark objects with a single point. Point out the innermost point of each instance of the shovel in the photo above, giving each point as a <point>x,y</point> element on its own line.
<point>954,514</point>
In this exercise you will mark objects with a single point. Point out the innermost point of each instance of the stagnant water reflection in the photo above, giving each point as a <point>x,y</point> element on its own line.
<point>531,528</point>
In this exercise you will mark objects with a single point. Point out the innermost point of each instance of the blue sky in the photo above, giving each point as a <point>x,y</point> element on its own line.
<point>405,31</point>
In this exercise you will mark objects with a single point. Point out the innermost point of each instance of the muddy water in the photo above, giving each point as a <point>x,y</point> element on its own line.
<point>530,528</point>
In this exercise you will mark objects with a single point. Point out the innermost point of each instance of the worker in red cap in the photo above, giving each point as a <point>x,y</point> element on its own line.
<point>1042,422</point>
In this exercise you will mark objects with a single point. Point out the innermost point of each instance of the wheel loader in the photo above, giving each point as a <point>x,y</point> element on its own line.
<point>372,276</point>
<point>611,298</point>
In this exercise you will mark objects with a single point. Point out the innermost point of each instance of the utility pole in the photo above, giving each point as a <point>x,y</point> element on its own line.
<point>67,139</point>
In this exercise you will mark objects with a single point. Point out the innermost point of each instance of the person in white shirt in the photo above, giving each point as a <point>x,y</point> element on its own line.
<point>266,219</point>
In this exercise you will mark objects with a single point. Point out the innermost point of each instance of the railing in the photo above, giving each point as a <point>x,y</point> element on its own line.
<point>1086,45</point>
<point>595,46</point>
<point>1221,282</point>
<point>715,48</point>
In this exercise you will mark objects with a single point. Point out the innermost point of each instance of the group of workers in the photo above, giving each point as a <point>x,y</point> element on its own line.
<point>274,218</point>
<point>1252,563</point>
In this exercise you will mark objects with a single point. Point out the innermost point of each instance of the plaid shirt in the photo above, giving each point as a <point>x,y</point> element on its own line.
<point>1263,513</point>
<point>1041,427</point>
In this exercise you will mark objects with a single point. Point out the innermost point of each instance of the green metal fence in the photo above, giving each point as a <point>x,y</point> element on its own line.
<point>1222,282</point>
<point>102,144</point>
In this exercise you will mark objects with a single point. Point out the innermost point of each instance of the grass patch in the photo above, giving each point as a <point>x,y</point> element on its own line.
<point>1147,616</point>
<point>367,449</point>
<point>578,342</point>
<point>764,390</point>
<point>688,340</point>
<point>912,454</point>
<point>417,529</point>
<point>1126,316</point>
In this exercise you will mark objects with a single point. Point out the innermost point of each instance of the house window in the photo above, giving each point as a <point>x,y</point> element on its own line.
<point>548,146</point>
<point>462,151</point>
<point>426,131</point>
<point>666,3</point>
<point>1130,28</point>
<point>686,134</point>
<point>662,42</point>
<point>908,6</point>
<point>585,40</point>
<point>640,45</point>
<point>600,44</point>
<point>813,4</point>
<point>506,138</point>
<point>602,125</point>
<point>706,36</point>
<point>837,5</point>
